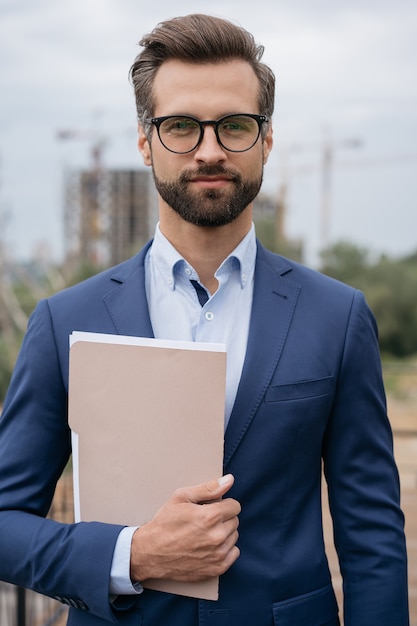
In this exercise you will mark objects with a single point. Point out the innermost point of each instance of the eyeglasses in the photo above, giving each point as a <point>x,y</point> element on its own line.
<point>182,133</point>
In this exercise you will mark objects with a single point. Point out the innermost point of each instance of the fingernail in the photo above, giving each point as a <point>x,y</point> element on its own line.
<point>225,480</point>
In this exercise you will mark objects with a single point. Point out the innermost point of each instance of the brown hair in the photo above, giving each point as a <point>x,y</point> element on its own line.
<point>197,38</point>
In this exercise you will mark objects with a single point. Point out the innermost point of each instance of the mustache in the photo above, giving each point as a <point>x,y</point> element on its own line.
<point>210,170</point>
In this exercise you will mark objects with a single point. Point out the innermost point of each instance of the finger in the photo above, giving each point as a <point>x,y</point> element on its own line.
<point>206,492</point>
<point>232,556</point>
<point>231,526</point>
<point>231,508</point>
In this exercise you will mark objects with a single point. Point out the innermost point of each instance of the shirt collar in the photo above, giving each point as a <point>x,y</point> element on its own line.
<point>169,263</point>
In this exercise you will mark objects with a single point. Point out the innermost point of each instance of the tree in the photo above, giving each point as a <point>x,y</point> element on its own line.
<point>390,287</point>
<point>346,262</point>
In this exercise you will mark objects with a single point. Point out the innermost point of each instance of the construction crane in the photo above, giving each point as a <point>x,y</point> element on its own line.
<point>89,222</point>
<point>327,149</point>
<point>98,143</point>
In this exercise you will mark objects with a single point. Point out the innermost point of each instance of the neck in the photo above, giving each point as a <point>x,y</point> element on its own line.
<point>205,248</point>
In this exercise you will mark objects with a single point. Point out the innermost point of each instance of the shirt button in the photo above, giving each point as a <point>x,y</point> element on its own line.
<point>188,271</point>
<point>209,316</point>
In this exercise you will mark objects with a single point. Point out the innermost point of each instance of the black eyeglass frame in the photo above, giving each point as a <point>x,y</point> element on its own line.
<point>157,121</point>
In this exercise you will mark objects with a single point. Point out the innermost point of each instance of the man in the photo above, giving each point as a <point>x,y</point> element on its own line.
<point>304,386</point>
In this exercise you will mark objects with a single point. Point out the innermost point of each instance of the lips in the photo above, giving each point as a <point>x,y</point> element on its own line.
<point>212,177</point>
<point>211,182</point>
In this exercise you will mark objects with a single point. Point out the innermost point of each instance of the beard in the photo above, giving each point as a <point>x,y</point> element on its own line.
<point>208,207</point>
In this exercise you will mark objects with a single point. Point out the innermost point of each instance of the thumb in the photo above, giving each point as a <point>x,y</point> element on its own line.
<point>210,490</point>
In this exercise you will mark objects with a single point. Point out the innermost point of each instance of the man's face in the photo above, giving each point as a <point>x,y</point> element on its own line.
<point>209,186</point>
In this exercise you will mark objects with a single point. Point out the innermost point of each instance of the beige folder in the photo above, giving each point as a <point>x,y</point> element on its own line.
<point>147,419</point>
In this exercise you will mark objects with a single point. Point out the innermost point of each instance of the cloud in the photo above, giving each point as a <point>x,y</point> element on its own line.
<point>350,66</point>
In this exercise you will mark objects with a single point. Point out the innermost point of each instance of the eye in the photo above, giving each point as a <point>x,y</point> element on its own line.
<point>179,126</point>
<point>238,124</point>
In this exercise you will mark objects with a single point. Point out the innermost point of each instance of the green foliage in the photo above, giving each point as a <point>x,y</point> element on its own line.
<point>265,231</point>
<point>25,295</point>
<point>9,348</point>
<point>26,285</point>
<point>390,287</point>
<point>82,271</point>
<point>346,262</point>
<point>267,235</point>
<point>5,369</point>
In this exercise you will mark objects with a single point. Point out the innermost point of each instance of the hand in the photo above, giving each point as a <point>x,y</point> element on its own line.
<point>192,537</point>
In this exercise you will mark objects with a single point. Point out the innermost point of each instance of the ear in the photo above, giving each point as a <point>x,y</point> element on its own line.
<point>268,143</point>
<point>144,146</point>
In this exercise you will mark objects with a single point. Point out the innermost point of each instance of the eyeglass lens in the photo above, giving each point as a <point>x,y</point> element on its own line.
<point>236,133</point>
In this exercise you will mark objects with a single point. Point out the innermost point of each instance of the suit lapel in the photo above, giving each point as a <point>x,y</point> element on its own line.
<point>126,301</point>
<point>274,301</point>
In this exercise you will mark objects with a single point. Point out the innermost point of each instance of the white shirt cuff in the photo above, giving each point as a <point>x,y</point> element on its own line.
<point>120,583</point>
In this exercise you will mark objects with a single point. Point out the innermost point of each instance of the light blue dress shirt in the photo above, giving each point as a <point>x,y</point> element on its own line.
<point>176,313</point>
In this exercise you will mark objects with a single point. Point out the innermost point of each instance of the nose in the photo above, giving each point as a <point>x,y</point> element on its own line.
<point>209,150</point>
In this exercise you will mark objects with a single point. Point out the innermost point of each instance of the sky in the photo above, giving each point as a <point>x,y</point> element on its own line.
<point>346,75</point>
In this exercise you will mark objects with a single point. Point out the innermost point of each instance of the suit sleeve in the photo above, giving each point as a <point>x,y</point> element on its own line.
<point>363,483</point>
<point>69,561</point>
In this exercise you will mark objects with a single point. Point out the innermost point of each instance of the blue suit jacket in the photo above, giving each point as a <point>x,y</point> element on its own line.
<point>311,392</point>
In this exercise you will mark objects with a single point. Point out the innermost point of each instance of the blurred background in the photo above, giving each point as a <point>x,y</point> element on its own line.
<point>340,188</point>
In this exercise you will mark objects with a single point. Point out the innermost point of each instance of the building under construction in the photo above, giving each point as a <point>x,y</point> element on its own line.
<point>108,215</point>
